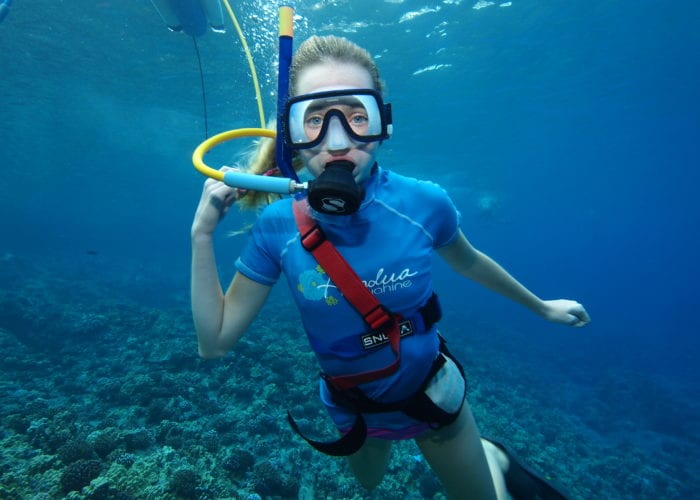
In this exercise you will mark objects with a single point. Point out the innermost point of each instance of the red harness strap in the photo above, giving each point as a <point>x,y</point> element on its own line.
<point>357,294</point>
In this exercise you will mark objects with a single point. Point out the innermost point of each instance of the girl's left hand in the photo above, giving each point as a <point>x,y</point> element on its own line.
<point>566,312</point>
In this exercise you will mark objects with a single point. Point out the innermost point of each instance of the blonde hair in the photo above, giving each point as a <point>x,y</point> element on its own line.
<point>323,49</point>
<point>315,50</point>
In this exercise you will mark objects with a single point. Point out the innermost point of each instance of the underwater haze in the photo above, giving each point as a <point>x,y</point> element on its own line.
<point>568,135</point>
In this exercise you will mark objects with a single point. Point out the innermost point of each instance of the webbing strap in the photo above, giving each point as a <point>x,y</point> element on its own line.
<point>348,444</point>
<point>351,286</point>
<point>345,382</point>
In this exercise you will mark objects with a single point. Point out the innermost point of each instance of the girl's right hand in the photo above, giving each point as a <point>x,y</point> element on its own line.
<point>217,198</point>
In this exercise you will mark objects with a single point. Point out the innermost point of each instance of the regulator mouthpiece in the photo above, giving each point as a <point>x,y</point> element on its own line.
<point>335,191</point>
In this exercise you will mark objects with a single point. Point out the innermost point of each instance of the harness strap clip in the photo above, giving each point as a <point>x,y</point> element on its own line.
<point>313,238</point>
<point>378,317</point>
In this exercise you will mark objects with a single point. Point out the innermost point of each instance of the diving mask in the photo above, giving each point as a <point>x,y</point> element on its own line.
<point>362,113</point>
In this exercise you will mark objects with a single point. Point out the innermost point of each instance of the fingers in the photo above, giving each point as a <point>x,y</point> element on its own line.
<point>577,322</point>
<point>579,315</point>
<point>567,312</point>
<point>217,198</point>
<point>220,195</point>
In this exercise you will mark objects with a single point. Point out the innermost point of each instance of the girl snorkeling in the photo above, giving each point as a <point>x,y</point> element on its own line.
<point>383,380</point>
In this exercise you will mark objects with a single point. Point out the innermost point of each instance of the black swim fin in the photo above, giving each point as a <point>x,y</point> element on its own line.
<point>524,484</point>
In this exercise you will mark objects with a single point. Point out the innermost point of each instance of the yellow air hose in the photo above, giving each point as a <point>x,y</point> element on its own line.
<point>286,19</point>
<point>246,49</point>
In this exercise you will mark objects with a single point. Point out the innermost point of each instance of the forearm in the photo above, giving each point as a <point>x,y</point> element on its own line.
<point>206,295</point>
<point>473,264</point>
<point>490,274</point>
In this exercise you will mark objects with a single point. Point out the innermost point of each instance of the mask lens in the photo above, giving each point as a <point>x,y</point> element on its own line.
<point>360,114</point>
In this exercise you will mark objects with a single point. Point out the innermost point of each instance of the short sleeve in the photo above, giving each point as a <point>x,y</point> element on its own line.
<point>261,259</point>
<point>442,217</point>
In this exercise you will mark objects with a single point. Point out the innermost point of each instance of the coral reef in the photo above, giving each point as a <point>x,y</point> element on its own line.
<point>79,474</point>
<point>104,397</point>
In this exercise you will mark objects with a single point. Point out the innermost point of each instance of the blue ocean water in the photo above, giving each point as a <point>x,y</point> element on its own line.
<point>566,132</point>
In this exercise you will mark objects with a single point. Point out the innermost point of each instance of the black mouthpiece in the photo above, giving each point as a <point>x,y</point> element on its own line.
<point>340,164</point>
<point>335,191</point>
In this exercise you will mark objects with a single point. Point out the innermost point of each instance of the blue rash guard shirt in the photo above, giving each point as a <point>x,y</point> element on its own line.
<point>389,243</point>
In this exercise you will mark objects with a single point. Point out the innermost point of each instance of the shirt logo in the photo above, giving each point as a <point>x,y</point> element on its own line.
<point>315,284</point>
<point>372,340</point>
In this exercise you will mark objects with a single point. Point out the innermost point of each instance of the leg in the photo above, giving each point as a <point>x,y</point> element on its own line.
<point>457,457</point>
<point>498,464</point>
<point>521,482</point>
<point>370,463</point>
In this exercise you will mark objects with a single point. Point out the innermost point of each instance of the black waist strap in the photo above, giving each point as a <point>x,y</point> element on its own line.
<point>431,312</point>
<point>356,400</point>
<point>419,406</point>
